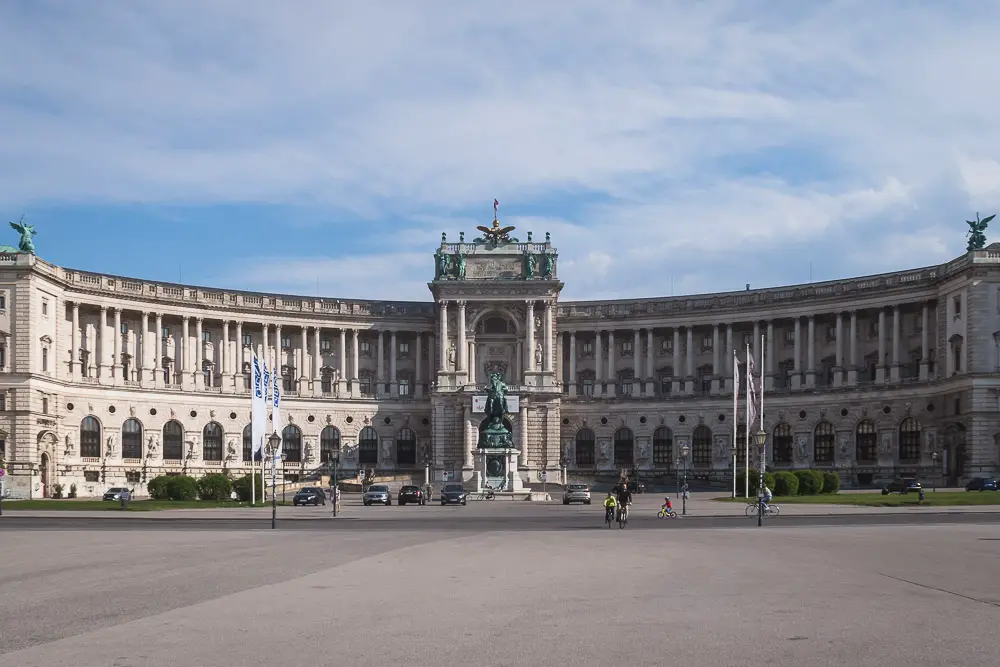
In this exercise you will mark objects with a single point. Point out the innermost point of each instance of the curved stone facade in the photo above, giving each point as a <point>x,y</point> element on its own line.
<point>109,380</point>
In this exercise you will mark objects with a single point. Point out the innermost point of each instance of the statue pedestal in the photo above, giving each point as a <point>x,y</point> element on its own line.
<point>498,468</point>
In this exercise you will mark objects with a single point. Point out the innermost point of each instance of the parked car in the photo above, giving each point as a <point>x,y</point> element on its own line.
<point>116,493</point>
<point>377,494</point>
<point>576,493</point>
<point>410,494</point>
<point>454,494</point>
<point>902,485</point>
<point>981,484</point>
<point>309,495</point>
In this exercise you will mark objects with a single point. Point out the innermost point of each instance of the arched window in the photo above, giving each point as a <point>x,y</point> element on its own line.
<point>866,441</point>
<point>329,442</point>
<point>624,447</point>
<point>173,441</point>
<point>701,447</point>
<point>132,439</point>
<point>90,438</point>
<point>211,442</point>
<point>663,447</point>
<point>248,442</point>
<point>741,448</point>
<point>909,440</point>
<point>824,442</point>
<point>291,444</point>
<point>585,447</point>
<point>368,446</point>
<point>406,447</point>
<point>781,439</point>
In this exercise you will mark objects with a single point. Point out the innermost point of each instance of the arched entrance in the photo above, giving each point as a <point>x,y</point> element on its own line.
<point>954,452</point>
<point>46,462</point>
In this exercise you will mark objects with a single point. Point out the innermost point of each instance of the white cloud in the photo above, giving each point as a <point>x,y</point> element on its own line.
<point>651,139</point>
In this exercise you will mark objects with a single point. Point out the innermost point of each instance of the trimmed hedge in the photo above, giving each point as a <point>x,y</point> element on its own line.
<point>182,487</point>
<point>242,488</point>
<point>754,478</point>
<point>215,486</point>
<point>157,487</point>
<point>786,484</point>
<point>831,482</point>
<point>810,482</point>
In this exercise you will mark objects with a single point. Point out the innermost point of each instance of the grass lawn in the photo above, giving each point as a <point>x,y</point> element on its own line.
<point>69,505</point>
<point>876,499</point>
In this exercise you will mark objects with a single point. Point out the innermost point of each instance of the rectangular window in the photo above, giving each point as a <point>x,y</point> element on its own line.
<point>325,345</point>
<point>247,340</point>
<point>45,306</point>
<point>45,405</point>
<point>627,348</point>
<point>366,386</point>
<point>165,333</point>
<point>873,329</point>
<point>789,337</point>
<point>625,387</point>
<point>587,347</point>
<point>45,360</point>
<point>92,476</point>
<point>588,387</point>
<point>3,403</point>
<point>404,387</point>
<point>664,385</point>
<point>287,383</point>
<point>404,348</point>
<point>365,346</point>
<point>3,302</point>
<point>831,333</point>
<point>326,384</point>
<point>132,476</point>
<point>957,303</point>
<point>747,340</point>
<point>124,328</point>
<point>206,336</point>
<point>286,342</point>
<point>3,357</point>
<point>667,346</point>
<point>707,344</point>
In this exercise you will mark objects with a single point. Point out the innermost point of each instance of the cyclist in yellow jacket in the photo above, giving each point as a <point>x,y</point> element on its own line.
<point>609,507</point>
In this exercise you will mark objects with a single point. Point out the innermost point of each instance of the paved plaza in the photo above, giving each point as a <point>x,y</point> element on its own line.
<point>919,591</point>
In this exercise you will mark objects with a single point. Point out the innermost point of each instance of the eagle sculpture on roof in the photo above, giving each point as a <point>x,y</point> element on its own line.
<point>496,234</point>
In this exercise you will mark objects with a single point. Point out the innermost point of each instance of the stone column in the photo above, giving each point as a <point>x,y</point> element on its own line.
<point>265,349</point>
<point>730,354</point>
<point>572,365</point>
<point>227,377</point>
<point>769,357</point>
<point>880,366</point>
<point>393,380</point>
<point>689,363</point>
<point>529,338</point>
<point>102,347</point>
<point>443,337</point>
<point>650,379</point>
<point>852,364</point>
<point>716,362</point>
<point>811,351</point>
<point>461,351</point>
<point>238,382</point>
<point>924,348</point>
<point>755,343</point>
<point>199,348</point>
<point>181,351</point>
<point>355,366</point>
<point>75,363</point>
<point>675,380</point>
<point>611,388</point>
<point>838,372</point>
<point>279,354</point>
<point>418,375</point>
<point>547,346</point>
<point>146,377</point>
<point>306,367</point>
<point>116,363</point>
<point>342,379</point>
<point>894,372</point>
<point>598,363</point>
<point>380,366</point>
<point>522,440</point>
<point>797,351</point>
<point>158,379</point>
<point>636,364</point>
<point>317,361</point>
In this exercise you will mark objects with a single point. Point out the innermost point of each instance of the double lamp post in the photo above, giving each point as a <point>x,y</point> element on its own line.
<point>683,491</point>
<point>272,446</point>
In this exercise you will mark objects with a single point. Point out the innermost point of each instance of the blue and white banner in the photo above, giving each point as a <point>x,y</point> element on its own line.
<point>258,406</point>
<point>276,414</point>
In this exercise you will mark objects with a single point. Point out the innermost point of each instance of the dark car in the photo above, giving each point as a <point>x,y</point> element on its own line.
<point>410,494</point>
<point>981,484</point>
<point>454,494</point>
<point>902,485</point>
<point>309,495</point>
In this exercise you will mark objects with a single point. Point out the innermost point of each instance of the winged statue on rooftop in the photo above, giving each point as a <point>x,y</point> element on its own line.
<point>495,234</point>
<point>26,231</point>
<point>976,236</point>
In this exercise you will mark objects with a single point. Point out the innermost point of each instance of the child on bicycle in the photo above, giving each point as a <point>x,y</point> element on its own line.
<point>667,505</point>
<point>609,507</point>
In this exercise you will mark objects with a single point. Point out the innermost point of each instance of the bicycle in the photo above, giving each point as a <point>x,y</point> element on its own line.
<point>609,515</point>
<point>488,493</point>
<point>771,509</point>
<point>623,517</point>
<point>664,513</point>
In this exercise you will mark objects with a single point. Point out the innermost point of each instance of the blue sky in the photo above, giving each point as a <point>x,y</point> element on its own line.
<point>668,147</point>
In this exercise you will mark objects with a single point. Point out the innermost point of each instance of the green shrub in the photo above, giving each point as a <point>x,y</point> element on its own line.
<point>72,490</point>
<point>182,487</point>
<point>157,488</point>
<point>831,482</point>
<point>57,490</point>
<point>810,482</point>
<point>242,488</point>
<point>754,478</point>
<point>786,484</point>
<point>215,486</point>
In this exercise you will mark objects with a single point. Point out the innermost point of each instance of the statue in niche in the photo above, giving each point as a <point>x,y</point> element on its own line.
<point>548,264</point>
<point>538,355</point>
<point>460,266</point>
<point>110,451</point>
<point>529,265</point>
<point>451,354</point>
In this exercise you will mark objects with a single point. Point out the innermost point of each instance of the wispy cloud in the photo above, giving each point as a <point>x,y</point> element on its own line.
<point>706,145</point>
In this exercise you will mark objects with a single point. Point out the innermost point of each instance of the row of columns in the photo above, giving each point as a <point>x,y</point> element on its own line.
<point>606,370</point>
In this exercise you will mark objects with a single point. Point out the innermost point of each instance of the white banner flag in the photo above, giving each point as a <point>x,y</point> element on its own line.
<point>752,394</point>
<point>276,413</point>
<point>258,406</point>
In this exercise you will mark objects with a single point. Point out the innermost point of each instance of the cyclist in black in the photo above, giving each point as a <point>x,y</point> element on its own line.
<point>624,499</point>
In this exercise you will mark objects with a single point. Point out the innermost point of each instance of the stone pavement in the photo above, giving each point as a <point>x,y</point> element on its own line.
<point>866,597</point>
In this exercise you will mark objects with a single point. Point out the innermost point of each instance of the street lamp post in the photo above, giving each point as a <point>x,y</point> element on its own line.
<point>273,443</point>
<point>760,438</point>
<point>677,474</point>
<point>934,459</point>
<point>427,475</point>
<point>685,450</point>
<point>734,469</point>
<point>284,482</point>
<point>336,491</point>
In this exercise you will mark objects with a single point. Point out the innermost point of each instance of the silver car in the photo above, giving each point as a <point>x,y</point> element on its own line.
<point>377,494</point>
<point>576,493</point>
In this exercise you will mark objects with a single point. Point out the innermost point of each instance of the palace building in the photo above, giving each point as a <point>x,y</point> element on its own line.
<point>109,381</point>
